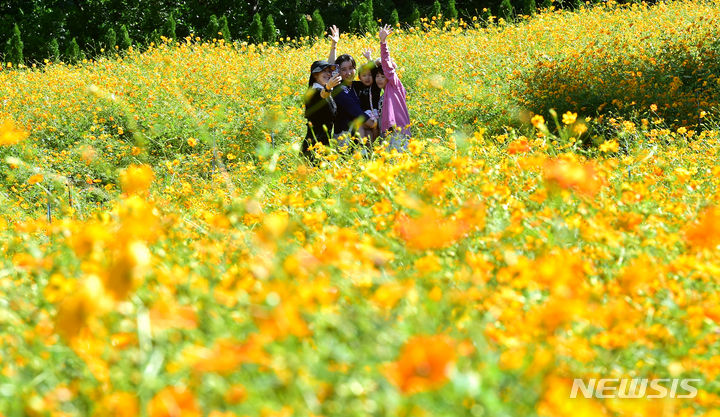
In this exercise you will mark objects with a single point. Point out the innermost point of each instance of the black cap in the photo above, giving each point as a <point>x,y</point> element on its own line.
<point>319,66</point>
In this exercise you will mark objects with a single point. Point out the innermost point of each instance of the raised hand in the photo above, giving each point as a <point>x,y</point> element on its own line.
<point>385,31</point>
<point>368,54</point>
<point>334,34</point>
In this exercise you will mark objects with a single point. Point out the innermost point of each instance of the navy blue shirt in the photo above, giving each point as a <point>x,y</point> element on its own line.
<point>348,110</point>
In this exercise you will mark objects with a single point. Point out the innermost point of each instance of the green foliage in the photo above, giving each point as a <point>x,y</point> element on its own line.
<point>546,4</point>
<point>452,12</point>
<point>529,7</point>
<point>415,15</point>
<point>72,52</point>
<point>169,28</point>
<point>256,29</point>
<point>124,41</point>
<point>213,28</point>
<point>370,23</point>
<point>224,29</point>
<point>14,48</point>
<point>269,30</point>
<point>89,20</point>
<point>394,19</point>
<point>506,10</point>
<point>153,37</point>
<point>303,30</point>
<point>436,9</point>
<point>110,40</point>
<point>317,25</point>
<point>53,50</point>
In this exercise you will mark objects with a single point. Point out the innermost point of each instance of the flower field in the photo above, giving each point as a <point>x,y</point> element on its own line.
<point>166,252</point>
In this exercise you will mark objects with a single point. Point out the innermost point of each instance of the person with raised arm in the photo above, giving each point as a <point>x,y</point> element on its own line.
<point>394,114</point>
<point>350,116</point>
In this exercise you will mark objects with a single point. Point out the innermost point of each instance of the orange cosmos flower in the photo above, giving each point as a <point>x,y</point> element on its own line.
<point>705,231</point>
<point>431,230</point>
<point>518,146</point>
<point>227,355</point>
<point>573,175</point>
<point>120,404</point>
<point>424,364</point>
<point>174,402</point>
<point>166,314</point>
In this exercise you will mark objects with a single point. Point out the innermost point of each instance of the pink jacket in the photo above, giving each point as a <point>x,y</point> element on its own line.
<point>394,107</point>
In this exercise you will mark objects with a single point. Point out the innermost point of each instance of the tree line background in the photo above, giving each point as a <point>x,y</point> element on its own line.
<point>34,30</point>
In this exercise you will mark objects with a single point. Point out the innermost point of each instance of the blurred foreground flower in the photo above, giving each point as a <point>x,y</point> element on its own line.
<point>705,231</point>
<point>174,402</point>
<point>424,364</point>
<point>432,230</point>
<point>136,179</point>
<point>9,134</point>
<point>555,401</point>
<point>573,175</point>
<point>78,307</point>
<point>520,145</point>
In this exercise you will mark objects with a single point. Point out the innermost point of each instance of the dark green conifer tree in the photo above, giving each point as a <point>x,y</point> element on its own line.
<point>317,25</point>
<point>269,30</point>
<point>506,10</point>
<point>224,29</point>
<point>53,50</point>
<point>72,52</point>
<point>394,18</point>
<point>303,30</point>
<point>124,41</point>
<point>14,48</point>
<point>110,40</point>
<point>415,15</point>
<point>529,7</point>
<point>169,28</point>
<point>436,9</point>
<point>452,12</point>
<point>213,27</point>
<point>256,29</point>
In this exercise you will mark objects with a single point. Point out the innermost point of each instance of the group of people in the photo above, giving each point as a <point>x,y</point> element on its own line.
<point>356,112</point>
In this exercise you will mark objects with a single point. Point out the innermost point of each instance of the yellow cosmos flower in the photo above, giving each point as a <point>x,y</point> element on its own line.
<point>136,179</point>
<point>9,134</point>
<point>538,121</point>
<point>35,179</point>
<point>569,118</point>
<point>610,146</point>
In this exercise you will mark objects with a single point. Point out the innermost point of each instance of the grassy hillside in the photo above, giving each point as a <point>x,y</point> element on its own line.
<point>193,265</point>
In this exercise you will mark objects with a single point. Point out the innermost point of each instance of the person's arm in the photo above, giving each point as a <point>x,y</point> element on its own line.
<point>368,54</point>
<point>334,39</point>
<point>387,65</point>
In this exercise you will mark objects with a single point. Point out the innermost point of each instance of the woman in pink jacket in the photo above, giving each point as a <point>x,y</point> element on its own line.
<point>394,116</point>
